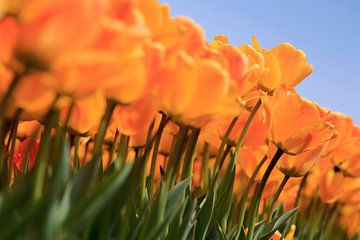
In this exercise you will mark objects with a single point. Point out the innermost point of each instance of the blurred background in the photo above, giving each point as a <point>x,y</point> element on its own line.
<point>327,30</point>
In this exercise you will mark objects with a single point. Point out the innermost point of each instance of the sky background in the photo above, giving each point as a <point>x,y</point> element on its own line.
<point>327,30</point>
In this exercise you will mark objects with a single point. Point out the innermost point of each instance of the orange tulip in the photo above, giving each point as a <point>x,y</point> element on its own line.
<point>105,70</point>
<point>28,129</point>
<point>86,113</point>
<point>236,64</point>
<point>47,29</point>
<point>350,220</point>
<point>6,77</point>
<point>192,91</point>
<point>134,120</point>
<point>332,186</point>
<point>27,147</point>
<point>344,125</point>
<point>270,73</point>
<point>295,123</point>
<point>232,59</point>
<point>248,159</point>
<point>177,33</point>
<point>292,63</point>
<point>283,65</point>
<point>256,134</point>
<point>347,157</point>
<point>298,165</point>
<point>8,36</point>
<point>32,96</point>
<point>256,61</point>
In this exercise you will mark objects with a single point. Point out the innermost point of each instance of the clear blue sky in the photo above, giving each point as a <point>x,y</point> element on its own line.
<point>327,30</point>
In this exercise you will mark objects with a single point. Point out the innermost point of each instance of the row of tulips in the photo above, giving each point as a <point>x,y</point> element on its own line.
<point>124,84</point>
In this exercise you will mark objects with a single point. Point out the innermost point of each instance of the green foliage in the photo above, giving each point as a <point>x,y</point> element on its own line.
<point>57,201</point>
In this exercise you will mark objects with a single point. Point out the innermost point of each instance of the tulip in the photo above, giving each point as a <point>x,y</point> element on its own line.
<point>32,96</point>
<point>191,90</point>
<point>292,63</point>
<point>25,154</point>
<point>134,120</point>
<point>300,164</point>
<point>85,119</point>
<point>295,123</point>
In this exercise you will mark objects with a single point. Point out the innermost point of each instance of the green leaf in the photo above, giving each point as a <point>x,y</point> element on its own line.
<point>80,182</point>
<point>187,224</point>
<point>276,223</point>
<point>176,192</point>
<point>173,205</point>
<point>259,229</point>
<point>56,215</point>
<point>205,216</point>
<point>219,232</point>
<point>88,208</point>
<point>225,196</point>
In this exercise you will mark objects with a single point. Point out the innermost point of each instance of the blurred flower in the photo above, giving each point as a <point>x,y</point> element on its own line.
<point>32,96</point>
<point>192,91</point>
<point>85,114</point>
<point>25,154</point>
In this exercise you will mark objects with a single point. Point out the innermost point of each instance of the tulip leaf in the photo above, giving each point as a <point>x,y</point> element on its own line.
<point>276,223</point>
<point>205,216</point>
<point>91,205</point>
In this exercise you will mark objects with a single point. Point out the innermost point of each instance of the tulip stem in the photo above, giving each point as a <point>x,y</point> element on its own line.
<point>222,145</point>
<point>257,196</point>
<point>96,158</point>
<point>239,142</point>
<point>122,151</point>
<point>41,156</point>
<point>143,165</point>
<point>297,199</point>
<point>205,166</point>
<point>158,135</point>
<point>246,193</point>
<point>226,152</point>
<point>247,125</point>
<point>76,152</point>
<point>12,151</point>
<point>175,156</point>
<point>189,155</point>
<point>277,194</point>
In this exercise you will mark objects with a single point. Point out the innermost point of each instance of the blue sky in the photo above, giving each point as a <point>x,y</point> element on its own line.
<point>327,30</point>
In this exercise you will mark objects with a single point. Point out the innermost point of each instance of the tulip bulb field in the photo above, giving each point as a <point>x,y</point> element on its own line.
<point>121,121</point>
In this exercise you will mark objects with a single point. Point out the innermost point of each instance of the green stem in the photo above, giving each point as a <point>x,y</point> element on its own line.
<point>239,142</point>
<point>257,196</point>
<point>296,204</point>
<point>113,148</point>
<point>189,155</point>
<point>76,152</point>
<point>204,176</point>
<point>277,194</point>
<point>12,151</point>
<point>222,145</point>
<point>330,220</point>
<point>122,149</point>
<point>42,155</point>
<point>247,125</point>
<point>244,197</point>
<point>226,152</point>
<point>175,156</point>
<point>143,165</point>
<point>155,154</point>
<point>96,158</point>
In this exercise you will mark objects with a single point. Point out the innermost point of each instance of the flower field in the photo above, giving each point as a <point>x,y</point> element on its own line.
<point>120,121</point>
